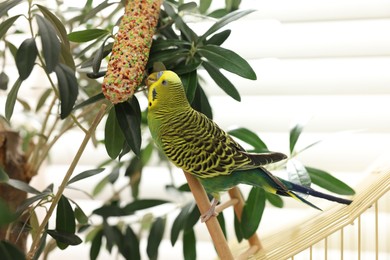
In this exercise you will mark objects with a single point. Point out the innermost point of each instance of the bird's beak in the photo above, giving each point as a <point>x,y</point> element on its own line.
<point>151,79</point>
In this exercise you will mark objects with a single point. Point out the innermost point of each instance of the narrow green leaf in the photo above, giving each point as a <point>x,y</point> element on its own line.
<point>224,21</point>
<point>155,236</point>
<point>43,99</point>
<point>100,186</point>
<point>187,32</point>
<point>237,229</point>
<point>68,88</point>
<point>201,102</point>
<point>113,135</point>
<point>218,38</point>
<point>179,223</point>
<point>222,81</point>
<point>189,245</point>
<point>219,13</point>
<point>297,173</point>
<point>112,236</point>
<point>204,6</point>
<point>25,58</point>
<point>4,80</point>
<point>80,215</point>
<point>250,138</point>
<point>295,132</point>
<point>274,199</point>
<point>142,204</point>
<point>26,203</point>
<point>4,26</point>
<point>90,101</point>
<point>51,46</point>
<point>65,219</point>
<point>109,211</point>
<point>65,238</point>
<point>190,83</point>
<point>328,182</point>
<point>252,212</point>
<point>85,174</point>
<point>11,99</point>
<point>9,251</point>
<point>66,57</point>
<point>161,44</point>
<point>128,115</point>
<point>96,245</point>
<point>192,218</point>
<point>57,24</point>
<point>6,216</point>
<point>131,245</point>
<point>92,13</point>
<point>11,47</point>
<point>228,60</point>
<point>3,175</point>
<point>23,186</point>
<point>184,68</point>
<point>187,6</point>
<point>222,223</point>
<point>86,35</point>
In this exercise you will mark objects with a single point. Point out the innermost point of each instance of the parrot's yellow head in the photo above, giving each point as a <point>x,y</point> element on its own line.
<point>165,90</point>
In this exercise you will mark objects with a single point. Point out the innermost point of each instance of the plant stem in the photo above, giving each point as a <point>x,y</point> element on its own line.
<point>61,188</point>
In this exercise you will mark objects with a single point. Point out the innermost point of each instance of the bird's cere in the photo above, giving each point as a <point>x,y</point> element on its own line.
<point>130,50</point>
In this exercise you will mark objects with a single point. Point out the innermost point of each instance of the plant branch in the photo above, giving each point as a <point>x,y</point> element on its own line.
<point>61,188</point>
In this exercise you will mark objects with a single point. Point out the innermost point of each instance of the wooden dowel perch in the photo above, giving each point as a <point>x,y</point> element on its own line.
<point>212,224</point>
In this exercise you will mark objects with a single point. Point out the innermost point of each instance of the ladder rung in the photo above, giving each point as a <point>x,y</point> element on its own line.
<point>226,204</point>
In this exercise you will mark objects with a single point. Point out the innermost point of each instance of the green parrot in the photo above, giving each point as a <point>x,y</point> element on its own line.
<point>196,144</point>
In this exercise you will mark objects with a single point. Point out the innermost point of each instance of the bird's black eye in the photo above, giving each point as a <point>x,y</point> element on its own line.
<point>164,82</point>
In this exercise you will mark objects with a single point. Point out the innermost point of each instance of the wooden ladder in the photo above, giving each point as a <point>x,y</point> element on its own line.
<point>237,201</point>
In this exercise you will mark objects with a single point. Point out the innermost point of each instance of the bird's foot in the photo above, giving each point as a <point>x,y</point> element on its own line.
<point>211,212</point>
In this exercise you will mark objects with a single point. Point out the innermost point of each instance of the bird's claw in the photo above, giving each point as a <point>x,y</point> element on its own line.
<point>206,216</point>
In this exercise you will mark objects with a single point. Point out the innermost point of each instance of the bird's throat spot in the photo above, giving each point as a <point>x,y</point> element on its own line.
<point>154,93</point>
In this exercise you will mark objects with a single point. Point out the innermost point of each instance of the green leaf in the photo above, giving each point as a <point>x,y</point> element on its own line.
<point>155,237</point>
<point>109,211</point>
<point>87,35</point>
<point>4,80</point>
<point>51,46</point>
<point>218,38</point>
<point>250,138</point>
<point>6,216</point>
<point>25,58</point>
<point>20,185</point>
<point>4,26</point>
<point>11,99</point>
<point>204,6</point>
<point>222,81</point>
<point>43,99</point>
<point>90,101</point>
<point>189,244</point>
<point>201,102</point>
<point>184,68</point>
<point>252,212</point>
<point>129,118</point>
<point>190,83</point>
<point>297,173</point>
<point>3,175</point>
<point>9,251</point>
<point>113,135</point>
<point>58,25</point>
<point>26,203</point>
<point>80,215</point>
<point>96,245</point>
<point>237,229</point>
<point>192,218</point>
<point>188,33</point>
<point>7,5</point>
<point>295,132</point>
<point>65,238</point>
<point>187,6</point>
<point>85,174</point>
<point>131,245</point>
<point>65,220</point>
<point>142,204</point>
<point>179,223</point>
<point>68,87</point>
<point>328,182</point>
<point>228,60</point>
<point>112,236</point>
<point>161,44</point>
<point>274,199</point>
<point>224,21</point>
<point>219,13</point>
<point>100,186</point>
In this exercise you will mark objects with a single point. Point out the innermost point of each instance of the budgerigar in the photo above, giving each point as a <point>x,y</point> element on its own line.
<point>197,145</point>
